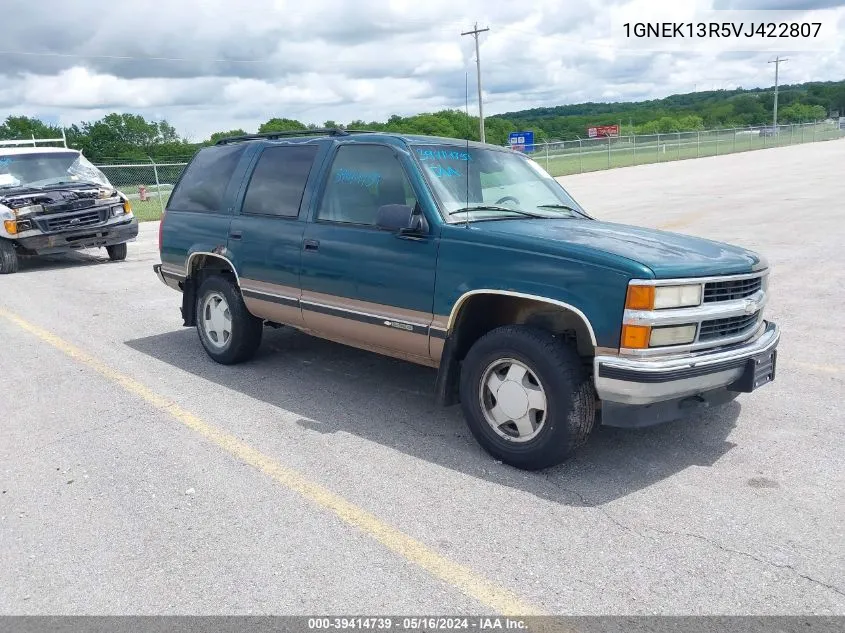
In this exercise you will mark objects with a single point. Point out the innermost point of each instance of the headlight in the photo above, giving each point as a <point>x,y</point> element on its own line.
<point>33,208</point>
<point>673,335</point>
<point>677,296</point>
<point>662,297</point>
<point>123,209</point>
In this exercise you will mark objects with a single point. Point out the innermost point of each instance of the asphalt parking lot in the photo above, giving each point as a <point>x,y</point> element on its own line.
<point>140,477</point>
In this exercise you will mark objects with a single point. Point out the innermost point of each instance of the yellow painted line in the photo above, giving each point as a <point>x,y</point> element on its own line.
<point>463,578</point>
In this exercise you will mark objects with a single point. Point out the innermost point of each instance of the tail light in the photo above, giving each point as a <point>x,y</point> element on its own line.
<point>160,227</point>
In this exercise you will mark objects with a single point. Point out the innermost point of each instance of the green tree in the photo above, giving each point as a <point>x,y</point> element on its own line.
<point>281,125</point>
<point>218,135</point>
<point>798,112</point>
<point>18,128</point>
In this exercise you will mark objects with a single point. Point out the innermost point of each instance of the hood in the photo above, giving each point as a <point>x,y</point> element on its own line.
<point>57,198</point>
<point>666,254</point>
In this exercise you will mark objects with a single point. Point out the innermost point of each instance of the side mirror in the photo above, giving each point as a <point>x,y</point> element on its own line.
<point>395,217</point>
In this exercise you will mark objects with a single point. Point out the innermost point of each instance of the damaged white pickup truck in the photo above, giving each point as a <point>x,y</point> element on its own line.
<point>53,200</point>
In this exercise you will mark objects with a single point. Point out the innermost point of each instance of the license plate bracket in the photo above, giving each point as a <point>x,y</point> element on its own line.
<point>759,370</point>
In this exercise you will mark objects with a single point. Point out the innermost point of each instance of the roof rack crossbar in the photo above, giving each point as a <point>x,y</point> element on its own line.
<point>330,131</point>
<point>33,142</point>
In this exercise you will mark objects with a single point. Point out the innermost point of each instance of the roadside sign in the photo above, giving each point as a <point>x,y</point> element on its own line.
<point>603,130</point>
<point>842,123</point>
<point>522,141</point>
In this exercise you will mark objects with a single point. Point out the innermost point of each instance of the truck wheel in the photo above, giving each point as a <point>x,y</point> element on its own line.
<point>228,332</point>
<point>117,252</point>
<point>526,397</point>
<point>8,258</point>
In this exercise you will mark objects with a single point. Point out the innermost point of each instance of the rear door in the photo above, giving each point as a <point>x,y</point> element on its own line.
<point>265,237</point>
<point>362,285</point>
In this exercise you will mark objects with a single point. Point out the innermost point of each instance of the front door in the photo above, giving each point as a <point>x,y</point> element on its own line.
<point>361,285</point>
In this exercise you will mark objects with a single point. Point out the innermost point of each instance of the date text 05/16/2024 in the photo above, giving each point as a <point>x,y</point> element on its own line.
<point>492,623</point>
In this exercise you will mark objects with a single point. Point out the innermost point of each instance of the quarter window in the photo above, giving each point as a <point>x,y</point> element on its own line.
<point>278,182</point>
<point>203,185</point>
<point>362,179</point>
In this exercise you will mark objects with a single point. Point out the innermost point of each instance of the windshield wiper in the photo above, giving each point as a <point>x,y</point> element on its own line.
<point>494,207</point>
<point>65,183</point>
<point>564,207</point>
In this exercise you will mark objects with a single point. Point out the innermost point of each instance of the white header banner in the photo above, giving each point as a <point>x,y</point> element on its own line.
<point>648,26</point>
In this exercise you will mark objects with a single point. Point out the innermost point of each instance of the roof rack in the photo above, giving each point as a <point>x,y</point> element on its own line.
<point>35,141</point>
<point>329,131</point>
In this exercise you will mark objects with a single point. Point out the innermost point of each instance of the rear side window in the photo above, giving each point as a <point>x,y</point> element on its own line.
<point>203,185</point>
<point>278,182</point>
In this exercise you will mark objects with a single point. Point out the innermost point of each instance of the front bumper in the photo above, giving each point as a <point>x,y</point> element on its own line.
<point>642,381</point>
<point>93,237</point>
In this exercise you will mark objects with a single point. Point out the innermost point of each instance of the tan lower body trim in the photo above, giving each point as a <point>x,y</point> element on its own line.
<point>272,302</point>
<point>362,323</point>
<point>393,353</point>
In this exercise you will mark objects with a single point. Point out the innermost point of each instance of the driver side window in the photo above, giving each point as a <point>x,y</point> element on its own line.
<point>363,178</point>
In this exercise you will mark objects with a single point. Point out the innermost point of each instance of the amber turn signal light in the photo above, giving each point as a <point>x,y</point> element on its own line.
<point>640,298</point>
<point>11,226</point>
<point>635,336</point>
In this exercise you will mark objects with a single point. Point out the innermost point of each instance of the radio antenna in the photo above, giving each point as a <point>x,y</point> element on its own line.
<point>466,100</point>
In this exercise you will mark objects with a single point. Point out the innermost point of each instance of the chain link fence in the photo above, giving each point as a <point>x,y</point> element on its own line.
<point>149,184</point>
<point>561,158</point>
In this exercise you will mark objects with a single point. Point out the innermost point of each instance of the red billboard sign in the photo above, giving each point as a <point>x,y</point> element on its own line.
<point>603,130</point>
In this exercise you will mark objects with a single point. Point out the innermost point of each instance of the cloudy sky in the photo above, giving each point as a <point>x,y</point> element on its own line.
<point>209,65</point>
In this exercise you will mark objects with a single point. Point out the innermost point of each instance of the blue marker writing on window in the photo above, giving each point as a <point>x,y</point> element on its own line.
<point>440,154</point>
<point>444,172</point>
<point>348,176</point>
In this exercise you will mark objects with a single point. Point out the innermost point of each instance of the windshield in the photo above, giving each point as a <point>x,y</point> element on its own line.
<point>505,184</point>
<point>40,169</point>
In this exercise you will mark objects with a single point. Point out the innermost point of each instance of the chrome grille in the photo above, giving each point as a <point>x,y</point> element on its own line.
<point>722,328</point>
<point>731,290</point>
<point>74,220</point>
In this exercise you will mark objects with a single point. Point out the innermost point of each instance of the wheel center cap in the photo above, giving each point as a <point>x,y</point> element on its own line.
<point>512,399</point>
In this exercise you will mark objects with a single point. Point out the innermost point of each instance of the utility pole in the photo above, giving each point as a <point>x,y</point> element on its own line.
<point>475,32</point>
<point>776,61</point>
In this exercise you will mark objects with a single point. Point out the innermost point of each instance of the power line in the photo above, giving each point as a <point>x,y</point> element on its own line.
<point>137,58</point>
<point>475,32</point>
<point>776,61</point>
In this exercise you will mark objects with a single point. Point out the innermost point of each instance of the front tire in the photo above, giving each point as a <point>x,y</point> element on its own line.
<point>227,331</point>
<point>117,252</point>
<point>8,257</point>
<point>526,397</point>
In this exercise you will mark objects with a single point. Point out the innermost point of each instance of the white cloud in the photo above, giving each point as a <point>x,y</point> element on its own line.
<point>209,65</point>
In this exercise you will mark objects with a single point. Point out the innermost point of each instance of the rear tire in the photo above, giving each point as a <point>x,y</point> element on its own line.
<point>227,331</point>
<point>117,252</point>
<point>527,397</point>
<point>8,257</point>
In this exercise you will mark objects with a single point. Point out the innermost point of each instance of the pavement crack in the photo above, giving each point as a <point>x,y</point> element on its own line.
<point>591,504</point>
<point>752,557</point>
<point>626,528</point>
<point>70,436</point>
